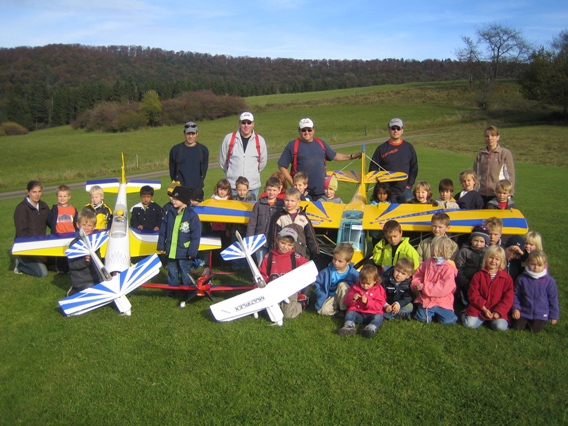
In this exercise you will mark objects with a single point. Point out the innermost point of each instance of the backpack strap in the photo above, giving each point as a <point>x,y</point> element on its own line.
<point>295,155</point>
<point>269,263</point>
<point>232,145</point>
<point>230,151</point>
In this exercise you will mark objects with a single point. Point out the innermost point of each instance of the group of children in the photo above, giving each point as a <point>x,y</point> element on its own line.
<point>467,198</point>
<point>483,280</point>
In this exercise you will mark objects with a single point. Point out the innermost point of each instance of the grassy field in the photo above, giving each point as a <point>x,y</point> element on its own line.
<point>166,365</point>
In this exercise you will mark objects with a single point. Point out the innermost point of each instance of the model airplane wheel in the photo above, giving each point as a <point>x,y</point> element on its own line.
<point>255,315</point>
<point>182,304</point>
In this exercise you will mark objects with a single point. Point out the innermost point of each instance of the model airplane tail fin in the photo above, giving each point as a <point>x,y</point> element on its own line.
<point>236,252</point>
<point>79,249</point>
<point>123,174</point>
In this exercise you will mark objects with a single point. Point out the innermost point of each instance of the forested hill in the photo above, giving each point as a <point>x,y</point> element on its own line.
<point>125,73</point>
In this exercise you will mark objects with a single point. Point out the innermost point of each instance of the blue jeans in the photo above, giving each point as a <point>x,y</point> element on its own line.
<point>403,197</point>
<point>406,309</point>
<point>177,267</point>
<point>444,316</point>
<point>31,265</point>
<point>476,322</point>
<point>374,320</point>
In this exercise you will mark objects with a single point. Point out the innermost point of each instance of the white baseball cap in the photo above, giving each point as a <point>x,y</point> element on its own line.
<point>305,122</point>
<point>289,232</point>
<point>396,122</point>
<point>247,115</point>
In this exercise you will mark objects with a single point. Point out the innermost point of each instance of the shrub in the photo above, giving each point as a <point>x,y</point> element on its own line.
<point>130,120</point>
<point>11,128</point>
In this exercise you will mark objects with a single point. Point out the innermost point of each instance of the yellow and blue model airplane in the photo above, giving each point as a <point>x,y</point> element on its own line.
<point>123,243</point>
<point>353,219</point>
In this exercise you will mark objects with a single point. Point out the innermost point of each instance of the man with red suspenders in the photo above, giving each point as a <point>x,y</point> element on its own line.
<point>309,154</point>
<point>244,153</point>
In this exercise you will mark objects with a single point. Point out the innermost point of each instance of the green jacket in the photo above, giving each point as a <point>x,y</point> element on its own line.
<point>382,253</point>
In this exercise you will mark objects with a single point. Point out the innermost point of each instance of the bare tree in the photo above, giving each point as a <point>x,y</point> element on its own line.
<point>496,52</point>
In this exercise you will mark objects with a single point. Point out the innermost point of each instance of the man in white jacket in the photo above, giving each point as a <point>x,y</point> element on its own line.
<point>244,153</point>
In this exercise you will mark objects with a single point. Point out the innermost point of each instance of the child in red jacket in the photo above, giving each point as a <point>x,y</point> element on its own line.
<point>490,293</point>
<point>365,302</point>
<point>280,261</point>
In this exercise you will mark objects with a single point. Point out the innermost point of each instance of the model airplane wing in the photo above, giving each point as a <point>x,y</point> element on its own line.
<point>354,176</point>
<point>224,211</point>
<point>113,185</point>
<point>262,298</point>
<point>112,291</point>
<point>142,243</point>
<point>415,217</point>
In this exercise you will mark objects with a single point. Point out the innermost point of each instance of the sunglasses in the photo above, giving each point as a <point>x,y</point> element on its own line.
<point>193,126</point>
<point>395,128</point>
<point>247,122</point>
<point>306,130</point>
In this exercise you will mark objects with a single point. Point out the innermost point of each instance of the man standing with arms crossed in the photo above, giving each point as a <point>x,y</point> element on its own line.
<point>244,153</point>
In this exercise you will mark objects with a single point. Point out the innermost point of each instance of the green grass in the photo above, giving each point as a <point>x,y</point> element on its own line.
<point>166,365</point>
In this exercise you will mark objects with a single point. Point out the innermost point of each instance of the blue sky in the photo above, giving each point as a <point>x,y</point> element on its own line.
<point>301,29</point>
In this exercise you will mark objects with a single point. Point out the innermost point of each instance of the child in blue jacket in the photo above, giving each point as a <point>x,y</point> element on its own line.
<point>332,283</point>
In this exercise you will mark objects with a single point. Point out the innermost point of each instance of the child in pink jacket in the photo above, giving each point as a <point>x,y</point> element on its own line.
<point>365,301</point>
<point>435,282</point>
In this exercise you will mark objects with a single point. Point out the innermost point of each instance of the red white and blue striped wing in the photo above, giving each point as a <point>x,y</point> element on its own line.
<point>235,250</point>
<point>79,249</point>
<point>106,292</point>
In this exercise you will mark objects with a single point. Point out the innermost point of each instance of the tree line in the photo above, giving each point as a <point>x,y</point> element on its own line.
<point>54,84</point>
<point>60,84</point>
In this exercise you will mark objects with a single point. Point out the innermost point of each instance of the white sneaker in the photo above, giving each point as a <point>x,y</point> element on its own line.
<point>16,270</point>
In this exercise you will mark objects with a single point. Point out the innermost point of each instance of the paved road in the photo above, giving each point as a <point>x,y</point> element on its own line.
<point>162,173</point>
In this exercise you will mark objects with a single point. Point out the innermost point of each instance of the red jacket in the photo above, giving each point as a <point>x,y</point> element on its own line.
<point>281,264</point>
<point>496,295</point>
<point>376,299</point>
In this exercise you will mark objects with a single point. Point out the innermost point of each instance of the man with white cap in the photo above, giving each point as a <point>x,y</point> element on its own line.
<point>309,154</point>
<point>189,160</point>
<point>397,155</point>
<point>244,153</point>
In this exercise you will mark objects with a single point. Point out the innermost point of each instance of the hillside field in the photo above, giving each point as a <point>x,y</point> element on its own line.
<point>166,365</point>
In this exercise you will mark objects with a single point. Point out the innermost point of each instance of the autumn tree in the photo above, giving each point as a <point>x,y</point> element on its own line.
<point>151,107</point>
<point>496,52</point>
<point>546,79</point>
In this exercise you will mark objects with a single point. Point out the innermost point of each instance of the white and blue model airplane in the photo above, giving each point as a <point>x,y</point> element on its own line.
<point>266,296</point>
<point>113,288</point>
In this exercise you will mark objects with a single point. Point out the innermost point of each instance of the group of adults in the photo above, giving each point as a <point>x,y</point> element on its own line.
<point>244,153</point>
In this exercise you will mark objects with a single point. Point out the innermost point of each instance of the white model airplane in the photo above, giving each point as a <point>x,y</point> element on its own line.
<point>266,296</point>
<point>114,288</point>
<point>123,241</point>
